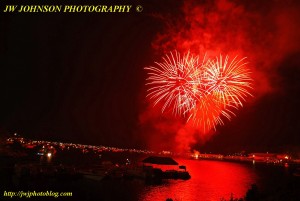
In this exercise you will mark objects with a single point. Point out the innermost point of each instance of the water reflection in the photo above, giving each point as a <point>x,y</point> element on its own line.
<point>211,180</point>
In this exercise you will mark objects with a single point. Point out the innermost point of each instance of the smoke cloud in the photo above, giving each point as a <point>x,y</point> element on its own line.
<point>265,32</point>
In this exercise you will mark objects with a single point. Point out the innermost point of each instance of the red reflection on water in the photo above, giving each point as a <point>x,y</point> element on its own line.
<point>211,180</point>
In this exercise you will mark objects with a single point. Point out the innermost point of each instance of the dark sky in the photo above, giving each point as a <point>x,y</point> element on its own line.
<point>80,78</point>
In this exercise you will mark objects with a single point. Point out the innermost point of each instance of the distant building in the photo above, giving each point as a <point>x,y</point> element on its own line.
<point>269,157</point>
<point>163,163</point>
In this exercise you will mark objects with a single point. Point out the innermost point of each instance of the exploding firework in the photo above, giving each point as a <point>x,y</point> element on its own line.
<point>176,82</point>
<point>226,86</point>
<point>229,81</point>
<point>205,92</point>
<point>209,112</point>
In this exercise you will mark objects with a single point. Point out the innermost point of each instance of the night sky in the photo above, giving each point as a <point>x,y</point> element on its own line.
<point>79,77</point>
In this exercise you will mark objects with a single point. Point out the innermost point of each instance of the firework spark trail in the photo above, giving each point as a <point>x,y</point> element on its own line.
<point>226,85</point>
<point>205,92</point>
<point>176,81</point>
<point>206,115</point>
<point>231,80</point>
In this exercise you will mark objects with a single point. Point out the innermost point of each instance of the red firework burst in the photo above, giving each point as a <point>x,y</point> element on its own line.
<point>231,81</point>
<point>209,112</point>
<point>206,91</point>
<point>176,82</point>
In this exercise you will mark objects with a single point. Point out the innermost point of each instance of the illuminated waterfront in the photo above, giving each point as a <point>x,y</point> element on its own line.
<point>110,173</point>
<point>211,180</point>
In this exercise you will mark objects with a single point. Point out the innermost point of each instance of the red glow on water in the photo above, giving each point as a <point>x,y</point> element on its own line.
<point>210,180</point>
